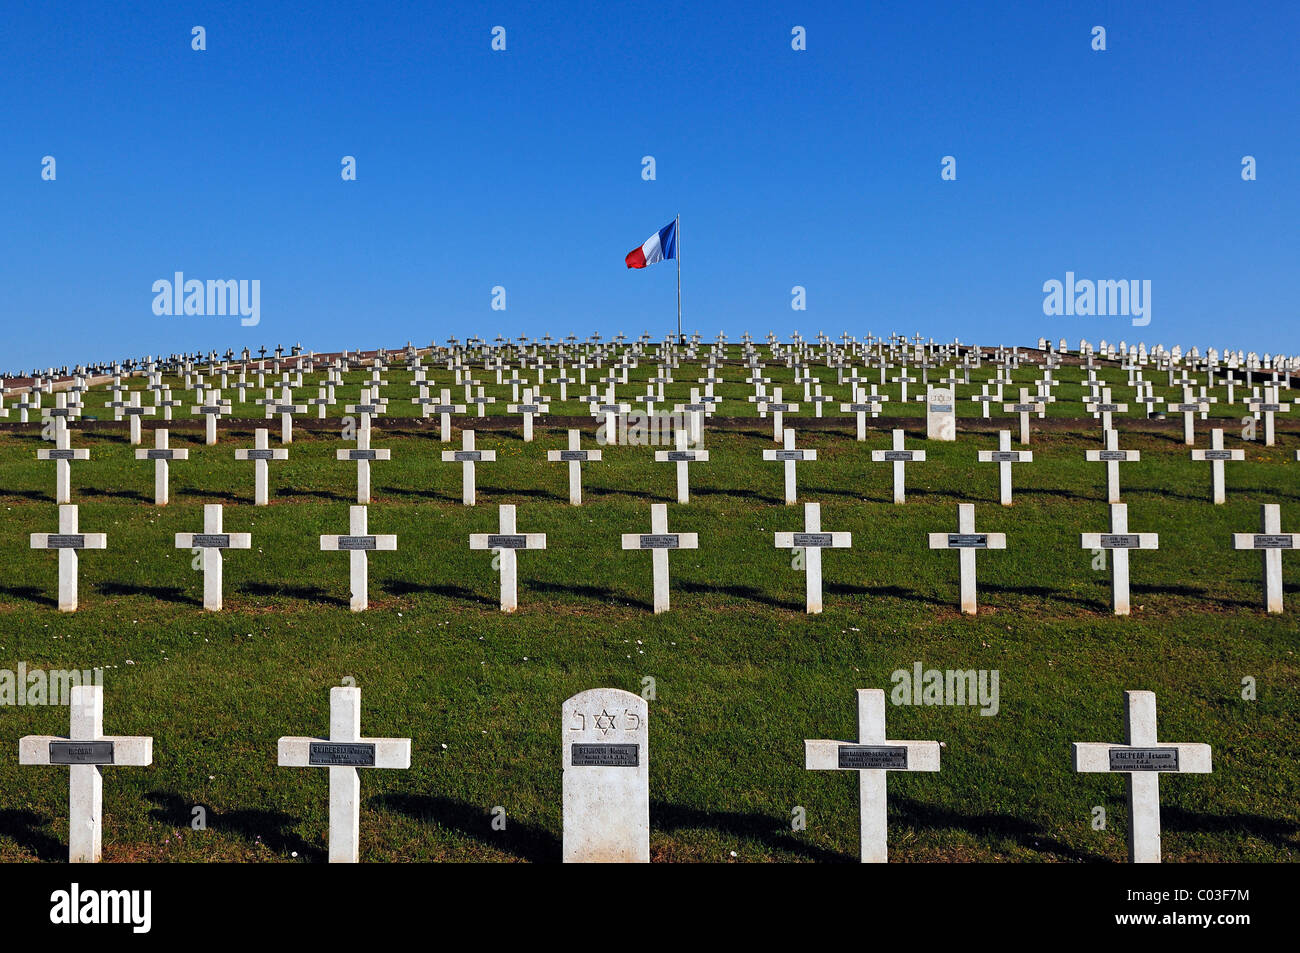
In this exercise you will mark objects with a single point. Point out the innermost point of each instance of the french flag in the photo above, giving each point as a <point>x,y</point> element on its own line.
<point>662,244</point>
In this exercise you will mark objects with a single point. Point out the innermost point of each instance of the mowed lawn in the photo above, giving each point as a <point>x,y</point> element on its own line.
<point>741,674</point>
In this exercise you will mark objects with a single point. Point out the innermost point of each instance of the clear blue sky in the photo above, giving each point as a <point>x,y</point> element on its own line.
<point>523,169</point>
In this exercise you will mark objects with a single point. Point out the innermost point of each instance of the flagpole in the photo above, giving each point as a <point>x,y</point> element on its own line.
<point>678,240</point>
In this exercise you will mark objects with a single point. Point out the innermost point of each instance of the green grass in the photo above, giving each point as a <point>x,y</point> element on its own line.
<point>743,675</point>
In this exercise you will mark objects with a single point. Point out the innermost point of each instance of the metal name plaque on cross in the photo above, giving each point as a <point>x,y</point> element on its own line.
<point>1108,455</point>
<point>496,541</point>
<point>891,455</point>
<point>211,541</point>
<point>354,754</point>
<point>789,454</point>
<point>1218,454</point>
<point>678,456</point>
<point>605,755</point>
<point>1273,542</point>
<point>579,455</point>
<point>81,752</point>
<point>261,454</point>
<point>1107,408</point>
<point>66,541</point>
<point>1121,541</point>
<point>158,454</point>
<point>968,540</point>
<point>1005,456</point>
<point>61,454</point>
<point>1024,408</point>
<point>357,542</point>
<point>362,454</point>
<point>941,408</point>
<point>873,757</point>
<point>659,541</point>
<point>1144,759</point>
<point>816,540</point>
<point>468,456</point>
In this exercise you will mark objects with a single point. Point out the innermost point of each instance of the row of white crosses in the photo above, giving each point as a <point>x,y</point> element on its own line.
<point>605,770</point>
<point>1141,758</point>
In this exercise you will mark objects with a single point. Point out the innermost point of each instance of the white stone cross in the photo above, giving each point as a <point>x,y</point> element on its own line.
<point>605,739</point>
<point>86,751</point>
<point>62,454</point>
<point>810,544</point>
<point>1216,455</point>
<point>1268,406</point>
<point>261,455</point>
<point>529,408</point>
<point>161,455</point>
<point>134,412</point>
<point>778,408</point>
<point>1270,541</point>
<point>1106,408</point>
<point>442,406</point>
<point>871,756</point>
<point>1004,456</point>
<point>862,405</point>
<point>343,753</point>
<point>213,409</point>
<point>358,543</point>
<point>467,456</point>
<point>1112,456</point>
<point>1119,541</point>
<point>367,408</point>
<point>659,541</point>
<point>505,542</point>
<point>1189,408</point>
<point>790,457</point>
<point>1024,408</point>
<point>575,456</point>
<point>899,458</point>
<point>683,458</point>
<point>67,541</point>
<point>966,541</point>
<point>363,455</point>
<point>286,408</point>
<point>211,542</point>
<point>1142,757</point>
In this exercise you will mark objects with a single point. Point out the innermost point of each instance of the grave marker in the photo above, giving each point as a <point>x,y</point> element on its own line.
<point>899,458</point>
<point>467,457</point>
<point>506,541</point>
<point>161,455</point>
<point>659,541</point>
<point>68,540</point>
<point>1119,541</point>
<point>1004,456</point>
<point>605,762</point>
<point>211,542</point>
<point>966,541</point>
<point>1270,542</point>
<point>1216,456</point>
<point>575,456</point>
<point>811,542</point>
<point>261,455</point>
<point>358,544</point>
<point>789,457</point>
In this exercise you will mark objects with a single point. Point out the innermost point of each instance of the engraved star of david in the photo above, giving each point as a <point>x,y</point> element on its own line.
<point>605,721</point>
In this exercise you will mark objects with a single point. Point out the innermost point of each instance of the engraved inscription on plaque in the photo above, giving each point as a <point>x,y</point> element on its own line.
<point>361,455</point>
<point>1274,542</point>
<point>355,754</point>
<point>211,540</point>
<point>357,542</point>
<point>677,456</point>
<point>789,454</point>
<point>261,454</point>
<point>605,755</point>
<point>877,757</point>
<point>579,455</point>
<point>1006,456</point>
<point>1107,455</point>
<point>1120,541</point>
<point>496,541</point>
<point>802,540</point>
<point>1218,454</point>
<point>898,455</point>
<point>62,455</point>
<point>66,541</point>
<point>159,454</point>
<point>81,752</point>
<point>468,456</point>
<point>941,408</point>
<point>968,540</point>
<point>1144,759</point>
<point>659,541</point>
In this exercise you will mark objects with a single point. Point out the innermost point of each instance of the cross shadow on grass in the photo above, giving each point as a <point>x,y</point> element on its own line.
<point>501,492</point>
<point>593,492</point>
<point>36,495</point>
<point>888,592</point>
<point>741,493</point>
<point>523,840</point>
<point>23,827</point>
<point>273,828</point>
<point>94,491</point>
<point>1281,833</point>
<point>1041,592</point>
<point>283,590</point>
<point>161,593</point>
<point>28,594</point>
<point>404,587</point>
<point>1199,593</point>
<point>420,494</point>
<point>773,832</point>
<point>601,594</point>
<point>741,593</point>
<point>986,826</point>
<point>287,492</point>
